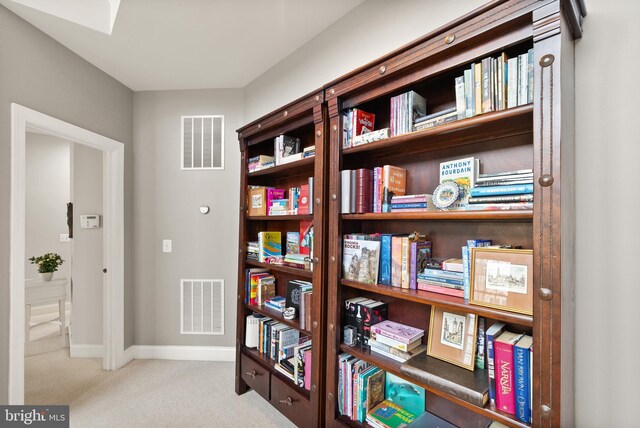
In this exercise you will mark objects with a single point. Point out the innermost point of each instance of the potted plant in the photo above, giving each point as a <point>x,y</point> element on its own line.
<point>47,264</point>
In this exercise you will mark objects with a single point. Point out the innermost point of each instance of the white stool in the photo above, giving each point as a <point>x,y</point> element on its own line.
<point>38,292</point>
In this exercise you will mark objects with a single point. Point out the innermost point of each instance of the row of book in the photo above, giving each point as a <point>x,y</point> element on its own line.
<point>373,190</point>
<point>510,370</point>
<point>286,149</point>
<point>494,84</point>
<point>368,394</point>
<point>272,201</point>
<point>298,247</point>
<point>290,349</point>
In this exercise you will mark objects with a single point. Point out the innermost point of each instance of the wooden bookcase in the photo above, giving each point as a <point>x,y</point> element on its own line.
<point>538,135</point>
<point>304,119</point>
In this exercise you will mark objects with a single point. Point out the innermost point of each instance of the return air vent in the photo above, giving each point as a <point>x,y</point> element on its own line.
<point>202,142</point>
<point>202,306</point>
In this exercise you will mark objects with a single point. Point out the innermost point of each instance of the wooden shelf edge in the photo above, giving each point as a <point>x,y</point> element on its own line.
<point>273,314</point>
<point>393,366</point>
<point>282,168</point>
<point>280,268</point>
<point>447,129</point>
<point>526,215</point>
<point>300,217</point>
<point>441,300</point>
<point>270,364</point>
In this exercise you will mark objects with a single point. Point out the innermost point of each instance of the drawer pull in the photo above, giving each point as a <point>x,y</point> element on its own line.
<point>252,374</point>
<point>288,401</point>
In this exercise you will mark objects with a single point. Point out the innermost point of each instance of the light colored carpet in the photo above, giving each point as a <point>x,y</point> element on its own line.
<point>144,393</point>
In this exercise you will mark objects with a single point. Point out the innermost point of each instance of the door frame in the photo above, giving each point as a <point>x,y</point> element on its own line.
<point>23,118</point>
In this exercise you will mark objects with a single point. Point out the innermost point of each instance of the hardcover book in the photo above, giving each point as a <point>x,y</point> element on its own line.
<point>492,332</point>
<point>360,259</point>
<point>306,237</point>
<point>269,246</point>
<point>394,184</point>
<point>523,378</point>
<point>293,242</point>
<point>389,414</point>
<point>463,173</point>
<point>374,389</point>
<point>503,367</point>
<point>400,332</point>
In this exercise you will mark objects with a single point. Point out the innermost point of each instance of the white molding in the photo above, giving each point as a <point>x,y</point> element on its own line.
<point>86,351</point>
<point>185,353</point>
<point>23,118</point>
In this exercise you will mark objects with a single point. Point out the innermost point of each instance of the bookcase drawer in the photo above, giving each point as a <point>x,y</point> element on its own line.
<point>256,376</point>
<point>290,403</point>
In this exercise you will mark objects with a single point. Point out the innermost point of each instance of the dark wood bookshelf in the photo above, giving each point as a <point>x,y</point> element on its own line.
<point>474,130</point>
<point>393,366</point>
<point>265,360</point>
<point>281,268</point>
<point>524,215</point>
<point>441,300</point>
<point>303,165</point>
<point>280,217</point>
<point>277,315</point>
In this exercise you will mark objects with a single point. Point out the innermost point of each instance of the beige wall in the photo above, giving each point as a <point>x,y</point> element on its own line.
<point>167,207</point>
<point>39,73</point>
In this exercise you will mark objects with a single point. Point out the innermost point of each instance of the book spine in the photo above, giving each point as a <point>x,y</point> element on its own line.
<point>530,76</point>
<point>502,190</point>
<point>442,280</point>
<point>466,270</point>
<point>352,191</point>
<point>405,262</point>
<point>512,82</point>
<point>508,198</point>
<point>307,370</point>
<point>409,205</point>
<point>505,394</point>
<point>460,98</point>
<point>385,259</point>
<point>481,355</point>
<point>413,274</point>
<point>521,366</point>
<point>345,191</point>
<point>396,261</point>
<point>376,177</point>
<point>390,334</point>
<point>477,82</point>
<point>499,83</point>
<point>441,290</point>
<point>468,92</point>
<point>523,68</point>
<point>486,85</point>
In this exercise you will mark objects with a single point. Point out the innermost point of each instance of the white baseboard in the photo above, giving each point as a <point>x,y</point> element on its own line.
<point>186,353</point>
<point>145,352</point>
<point>86,351</point>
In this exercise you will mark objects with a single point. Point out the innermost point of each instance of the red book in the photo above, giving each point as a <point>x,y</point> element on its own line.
<point>303,202</point>
<point>307,369</point>
<point>441,290</point>
<point>305,237</point>
<point>503,366</point>
<point>363,122</point>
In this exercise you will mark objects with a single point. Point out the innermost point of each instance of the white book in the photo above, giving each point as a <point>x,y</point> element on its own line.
<point>523,79</point>
<point>512,82</point>
<point>460,101</point>
<point>345,191</point>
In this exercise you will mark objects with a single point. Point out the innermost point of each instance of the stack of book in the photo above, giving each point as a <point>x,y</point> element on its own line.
<point>261,199</point>
<point>279,207</point>
<point>299,297</point>
<point>405,109</point>
<point>309,151</point>
<point>466,261</point>
<point>495,84</point>
<point>510,367</point>
<point>356,122</point>
<point>251,285</point>
<point>434,119</point>
<point>361,313</point>
<point>371,137</point>
<point>296,260</point>
<point>286,149</point>
<point>396,341</point>
<point>411,203</point>
<point>365,190</point>
<point>261,162</point>
<point>442,281</point>
<point>277,303</point>
<point>253,250</point>
<point>509,190</point>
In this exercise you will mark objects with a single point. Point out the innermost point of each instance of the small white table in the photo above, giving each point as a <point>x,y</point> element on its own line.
<point>38,292</point>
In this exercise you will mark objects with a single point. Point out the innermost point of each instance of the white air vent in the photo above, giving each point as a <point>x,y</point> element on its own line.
<point>202,142</point>
<point>202,306</point>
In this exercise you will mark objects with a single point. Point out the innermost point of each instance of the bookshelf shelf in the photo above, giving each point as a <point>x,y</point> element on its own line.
<point>301,166</point>
<point>273,314</point>
<point>393,366</point>
<point>266,361</point>
<point>524,215</point>
<point>279,268</point>
<point>441,300</point>
<point>488,126</point>
<point>280,217</point>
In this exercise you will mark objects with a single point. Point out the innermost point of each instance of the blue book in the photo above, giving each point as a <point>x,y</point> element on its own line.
<point>515,189</point>
<point>466,262</point>
<point>409,205</point>
<point>442,274</point>
<point>385,259</point>
<point>492,332</point>
<point>441,279</point>
<point>522,378</point>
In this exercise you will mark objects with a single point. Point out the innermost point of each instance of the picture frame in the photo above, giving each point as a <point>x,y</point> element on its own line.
<point>452,337</point>
<point>502,278</point>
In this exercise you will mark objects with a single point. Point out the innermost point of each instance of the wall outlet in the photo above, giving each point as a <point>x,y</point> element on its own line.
<point>64,237</point>
<point>166,245</point>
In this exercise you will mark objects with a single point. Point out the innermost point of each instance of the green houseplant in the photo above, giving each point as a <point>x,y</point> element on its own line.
<point>47,264</point>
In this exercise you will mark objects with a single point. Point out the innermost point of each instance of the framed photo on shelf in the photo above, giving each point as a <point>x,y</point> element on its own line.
<point>452,337</point>
<point>502,278</point>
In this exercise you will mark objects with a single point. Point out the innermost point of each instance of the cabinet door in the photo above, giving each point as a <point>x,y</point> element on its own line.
<point>290,403</point>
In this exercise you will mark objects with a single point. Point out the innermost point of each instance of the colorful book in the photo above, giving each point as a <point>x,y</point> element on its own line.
<point>360,259</point>
<point>523,378</point>
<point>385,259</point>
<point>504,372</point>
<point>396,261</point>
<point>394,184</point>
<point>306,236</point>
<point>405,394</point>
<point>400,332</point>
<point>463,173</point>
<point>269,246</point>
<point>502,190</point>
<point>389,414</point>
<point>492,332</point>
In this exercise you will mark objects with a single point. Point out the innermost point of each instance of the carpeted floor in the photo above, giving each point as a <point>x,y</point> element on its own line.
<point>144,393</point>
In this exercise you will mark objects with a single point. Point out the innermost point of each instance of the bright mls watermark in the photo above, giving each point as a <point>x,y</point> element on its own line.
<point>34,416</point>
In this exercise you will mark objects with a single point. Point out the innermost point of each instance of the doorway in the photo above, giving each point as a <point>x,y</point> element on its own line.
<point>113,356</point>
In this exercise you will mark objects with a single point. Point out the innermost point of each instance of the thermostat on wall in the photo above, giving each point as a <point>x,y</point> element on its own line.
<point>90,221</point>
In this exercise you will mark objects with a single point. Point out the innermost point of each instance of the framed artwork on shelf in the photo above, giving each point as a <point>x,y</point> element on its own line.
<point>502,278</point>
<point>452,337</point>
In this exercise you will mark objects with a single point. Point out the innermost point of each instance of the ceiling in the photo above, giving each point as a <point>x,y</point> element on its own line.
<point>191,44</point>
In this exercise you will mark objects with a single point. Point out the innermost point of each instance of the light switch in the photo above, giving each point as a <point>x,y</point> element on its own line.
<point>64,237</point>
<point>166,245</point>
